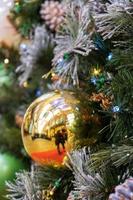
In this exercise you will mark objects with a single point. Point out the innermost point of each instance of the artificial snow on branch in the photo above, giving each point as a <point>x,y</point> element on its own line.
<point>88,184</point>
<point>74,39</point>
<point>96,6</point>
<point>29,54</point>
<point>32,185</point>
<point>24,188</point>
<point>117,19</point>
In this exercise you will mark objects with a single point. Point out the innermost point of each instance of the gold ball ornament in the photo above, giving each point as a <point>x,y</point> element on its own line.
<point>54,122</point>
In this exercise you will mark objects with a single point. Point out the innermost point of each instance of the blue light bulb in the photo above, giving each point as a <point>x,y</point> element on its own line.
<point>23,47</point>
<point>94,80</point>
<point>116,109</point>
<point>38,93</point>
<point>60,60</point>
<point>110,55</point>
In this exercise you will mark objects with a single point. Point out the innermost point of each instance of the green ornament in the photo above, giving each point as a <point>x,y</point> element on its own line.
<point>66,56</point>
<point>9,165</point>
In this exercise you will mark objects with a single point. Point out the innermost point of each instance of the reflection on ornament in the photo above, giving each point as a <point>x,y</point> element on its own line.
<point>6,60</point>
<point>54,122</point>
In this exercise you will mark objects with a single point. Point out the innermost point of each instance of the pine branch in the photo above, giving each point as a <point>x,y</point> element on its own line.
<point>30,185</point>
<point>96,174</point>
<point>31,53</point>
<point>88,184</point>
<point>73,39</point>
<point>24,188</point>
<point>116,20</point>
<point>118,156</point>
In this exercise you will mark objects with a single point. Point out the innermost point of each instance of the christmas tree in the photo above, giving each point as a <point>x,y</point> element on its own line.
<point>76,56</point>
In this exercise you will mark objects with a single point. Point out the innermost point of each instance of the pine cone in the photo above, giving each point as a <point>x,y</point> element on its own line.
<point>97,97</point>
<point>105,101</point>
<point>53,14</point>
<point>124,191</point>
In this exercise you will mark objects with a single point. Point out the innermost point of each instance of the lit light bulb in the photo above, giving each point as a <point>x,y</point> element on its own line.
<point>110,56</point>
<point>25,84</point>
<point>6,60</point>
<point>17,3</point>
<point>38,93</point>
<point>116,109</point>
<point>23,47</point>
<point>53,74</point>
<point>94,80</point>
<point>51,192</point>
<point>96,71</point>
